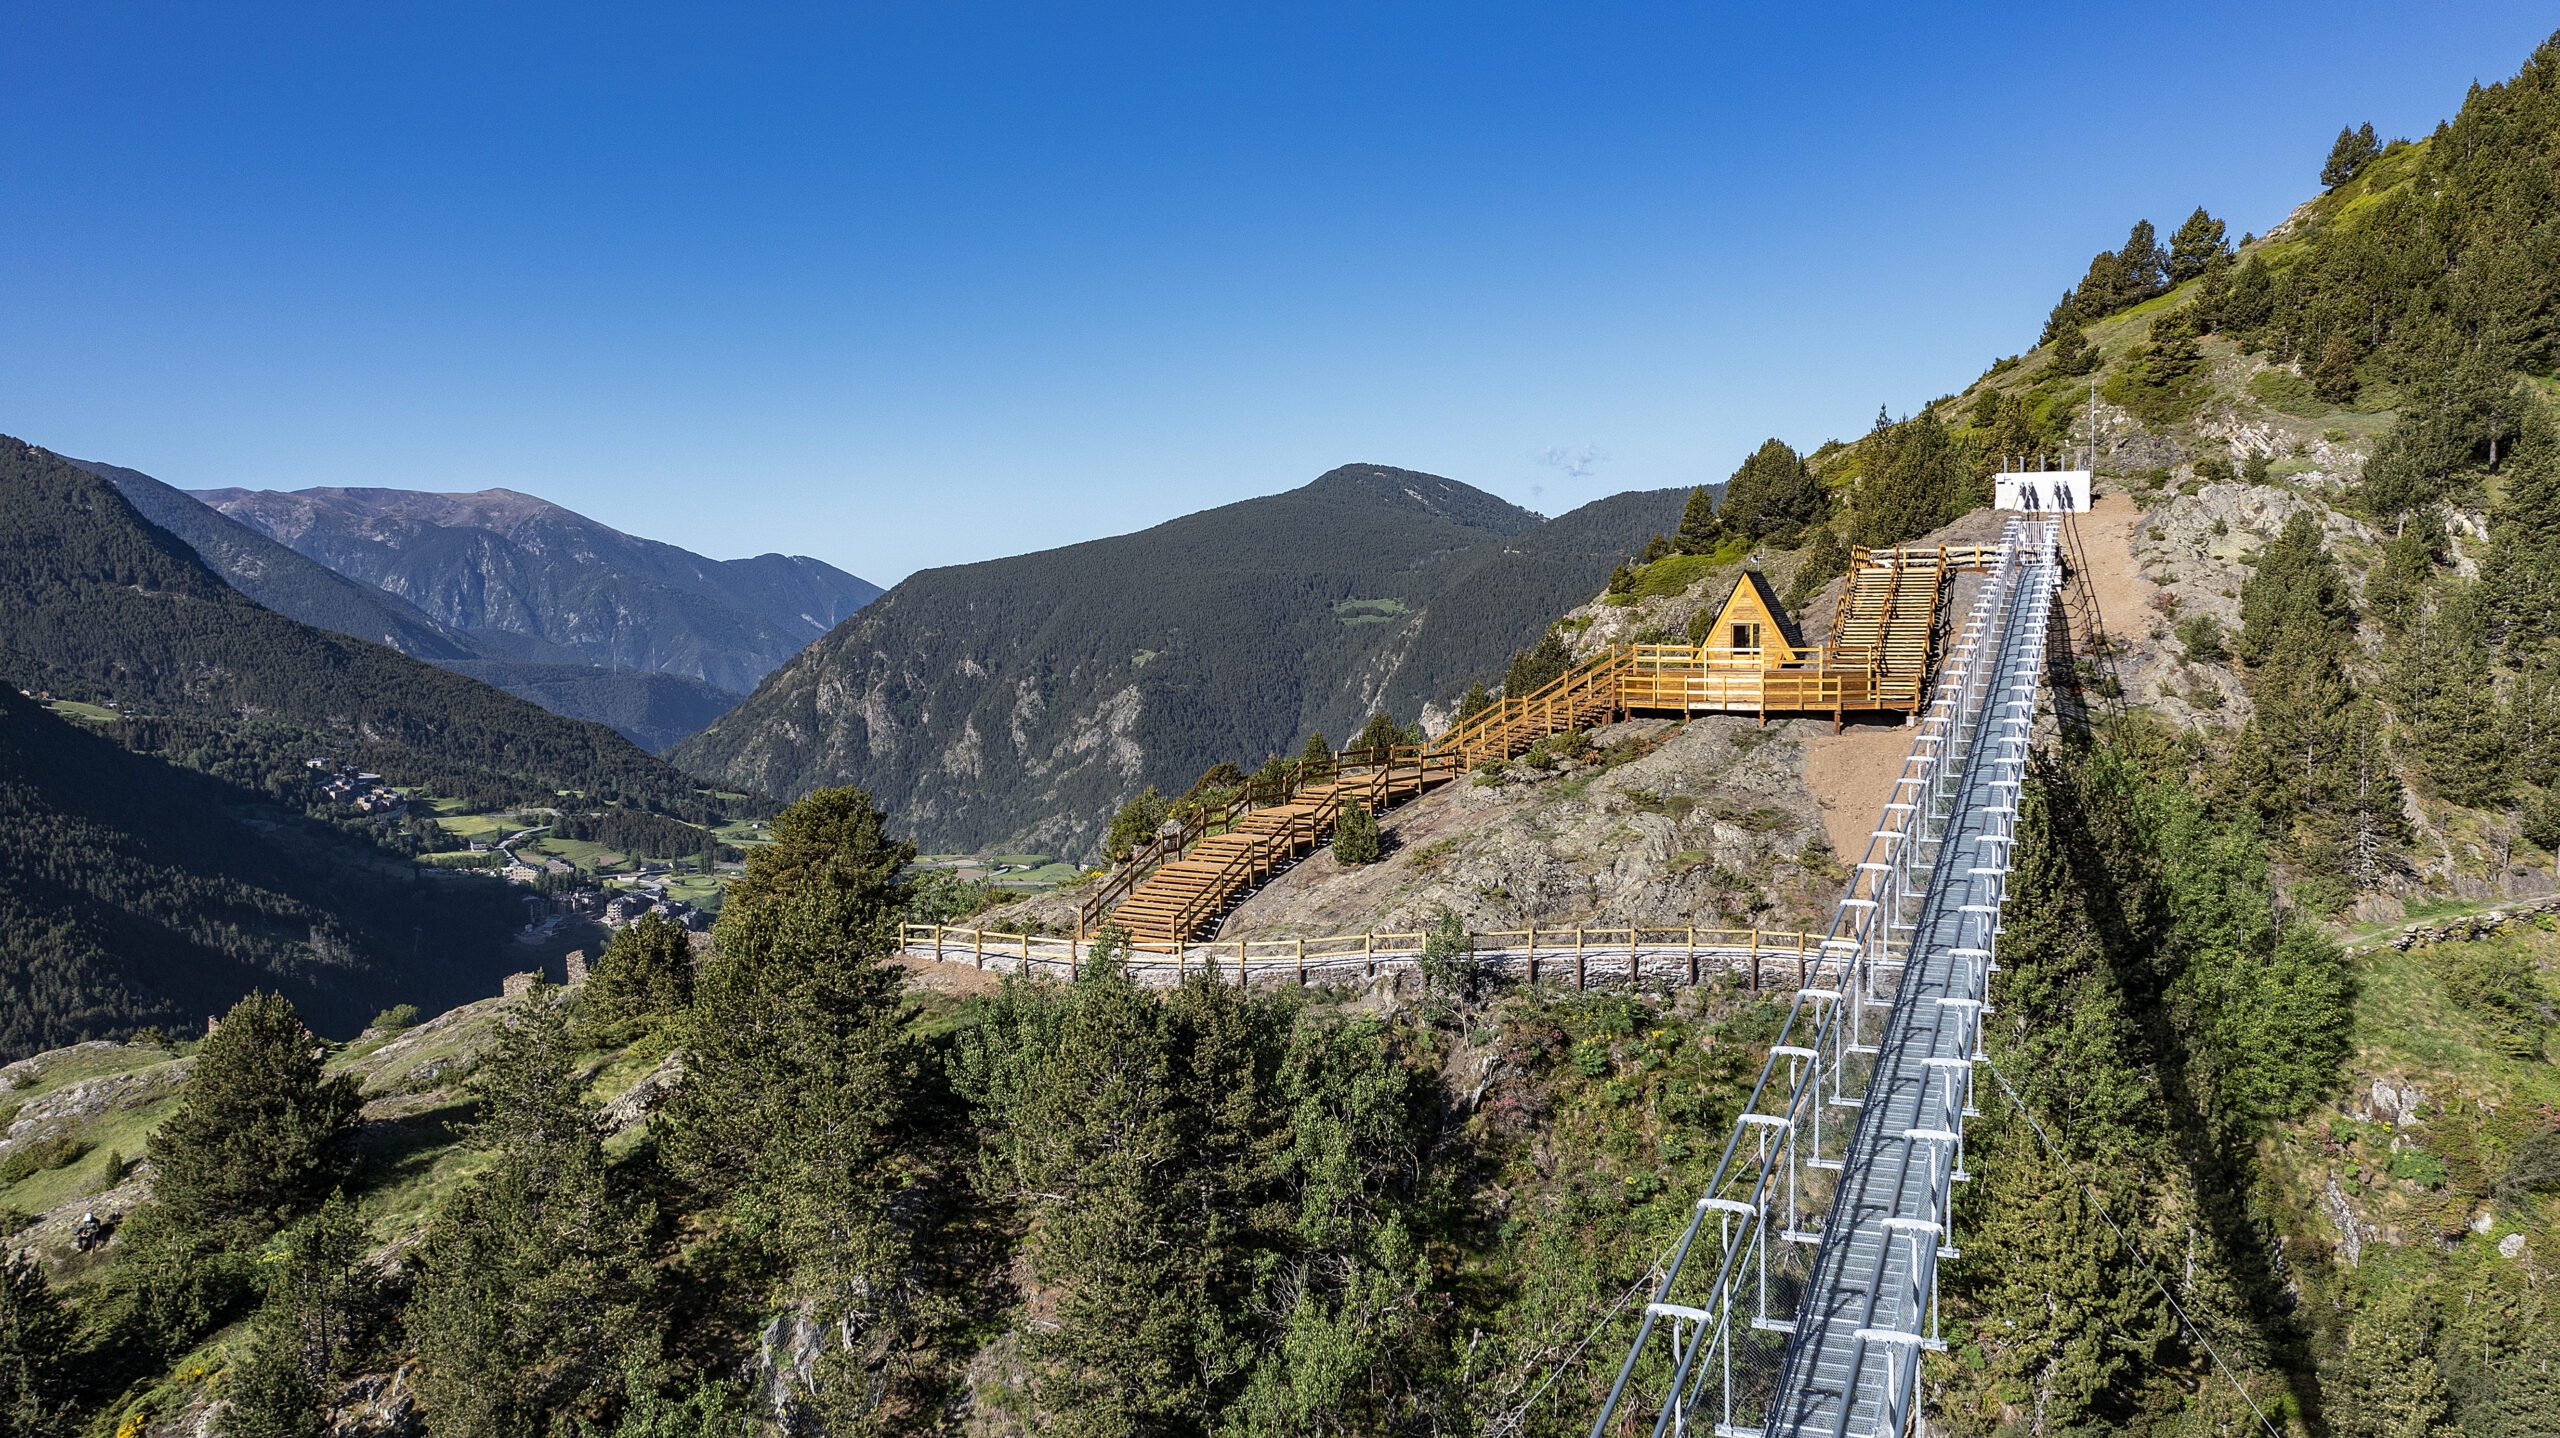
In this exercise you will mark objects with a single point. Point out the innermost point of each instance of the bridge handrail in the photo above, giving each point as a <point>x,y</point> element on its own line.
<point>1961,675</point>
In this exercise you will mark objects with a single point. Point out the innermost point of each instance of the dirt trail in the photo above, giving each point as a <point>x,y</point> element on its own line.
<point>2124,596</point>
<point>1850,774</point>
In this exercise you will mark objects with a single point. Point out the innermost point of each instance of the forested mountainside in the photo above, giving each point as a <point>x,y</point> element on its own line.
<point>98,603</point>
<point>650,708</point>
<point>289,583</point>
<point>533,581</point>
<point>136,893</point>
<point>1016,701</point>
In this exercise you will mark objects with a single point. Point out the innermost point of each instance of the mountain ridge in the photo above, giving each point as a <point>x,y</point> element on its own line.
<point>1014,701</point>
<point>535,581</point>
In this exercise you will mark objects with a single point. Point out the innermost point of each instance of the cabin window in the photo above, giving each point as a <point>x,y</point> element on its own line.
<point>1746,636</point>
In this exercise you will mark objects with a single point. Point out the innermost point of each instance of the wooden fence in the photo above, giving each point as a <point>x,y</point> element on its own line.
<point>1582,955</point>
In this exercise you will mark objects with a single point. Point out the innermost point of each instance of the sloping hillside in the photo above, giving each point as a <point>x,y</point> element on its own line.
<point>133,892</point>
<point>97,602</point>
<point>1018,700</point>
<point>647,707</point>
<point>533,581</point>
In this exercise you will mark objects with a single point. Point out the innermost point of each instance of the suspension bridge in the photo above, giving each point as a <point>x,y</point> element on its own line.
<point>1800,1296</point>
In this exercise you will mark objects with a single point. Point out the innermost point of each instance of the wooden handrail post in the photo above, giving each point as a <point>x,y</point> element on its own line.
<point>1693,956</point>
<point>1755,961</point>
<point>1302,963</point>
<point>1577,959</point>
<point>978,946</point>
<point>1533,954</point>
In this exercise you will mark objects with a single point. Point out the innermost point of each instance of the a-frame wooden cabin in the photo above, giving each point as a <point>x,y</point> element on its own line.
<point>1751,629</point>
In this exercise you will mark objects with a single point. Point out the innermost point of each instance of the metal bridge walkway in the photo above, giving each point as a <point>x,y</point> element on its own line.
<point>1823,1290</point>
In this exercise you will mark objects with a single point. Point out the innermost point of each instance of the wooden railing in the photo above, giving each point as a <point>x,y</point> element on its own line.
<point>1587,953</point>
<point>1562,703</point>
<point>1376,785</point>
<point>1282,788</point>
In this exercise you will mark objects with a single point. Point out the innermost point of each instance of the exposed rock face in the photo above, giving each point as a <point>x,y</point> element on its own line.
<point>1712,828</point>
<point>633,1105</point>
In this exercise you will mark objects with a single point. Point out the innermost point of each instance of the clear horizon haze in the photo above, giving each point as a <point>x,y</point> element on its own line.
<point>909,286</point>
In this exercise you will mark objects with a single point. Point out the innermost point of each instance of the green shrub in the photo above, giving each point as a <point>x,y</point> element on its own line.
<point>2202,635</point>
<point>1571,744</point>
<point>1591,1058</point>
<point>2419,1166</point>
<point>60,1151</point>
<point>395,1018</point>
<point>1355,836</point>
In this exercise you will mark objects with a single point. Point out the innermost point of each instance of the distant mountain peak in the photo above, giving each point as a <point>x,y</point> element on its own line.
<point>1411,489</point>
<point>514,569</point>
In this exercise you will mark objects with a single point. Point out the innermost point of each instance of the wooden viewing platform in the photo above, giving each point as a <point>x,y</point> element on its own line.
<point>1883,647</point>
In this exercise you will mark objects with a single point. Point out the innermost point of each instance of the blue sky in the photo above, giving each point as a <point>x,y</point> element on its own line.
<point>900,286</point>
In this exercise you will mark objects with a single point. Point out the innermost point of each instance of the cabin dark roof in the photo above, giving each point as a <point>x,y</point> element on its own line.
<point>1769,600</point>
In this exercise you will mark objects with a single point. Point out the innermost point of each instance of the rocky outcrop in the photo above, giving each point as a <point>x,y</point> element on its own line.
<point>2537,914</point>
<point>1706,823</point>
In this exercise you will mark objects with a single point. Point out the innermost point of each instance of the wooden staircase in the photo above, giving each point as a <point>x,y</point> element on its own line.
<point>1172,904</point>
<point>1888,621</point>
<point>1592,692</point>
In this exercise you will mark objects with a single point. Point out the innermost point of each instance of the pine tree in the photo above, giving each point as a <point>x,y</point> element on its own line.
<point>2395,587</point>
<point>837,836</point>
<point>1537,667</point>
<point>1316,759</point>
<point>1355,835</point>
<point>2065,315</point>
<point>2072,352</point>
<point>1699,532</point>
<point>796,1119</point>
<point>1825,559</point>
<point>2388,1385</point>
<point>533,1285</point>
<point>2195,246</point>
<point>260,1133</point>
<point>2294,573</point>
<point>2145,265</point>
<point>2355,149</point>
<point>646,973</point>
<point>1773,496</point>
<point>1655,548</point>
<point>1381,732</point>
<point>320,1304</point>
<point>1917,477</point>
<point>1134,823</point>
<point>35,1340</point>
<point>1475,701</point>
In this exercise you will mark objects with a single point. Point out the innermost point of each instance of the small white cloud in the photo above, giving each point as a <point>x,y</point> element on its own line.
<point>1578,461</point>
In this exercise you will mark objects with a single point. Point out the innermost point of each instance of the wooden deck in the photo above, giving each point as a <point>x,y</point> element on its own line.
<point>1883,648</point>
